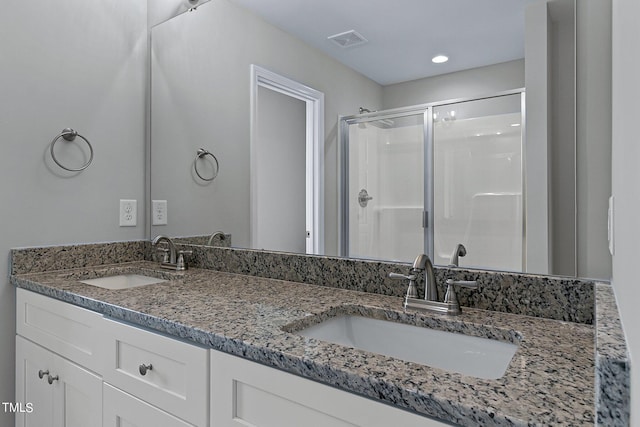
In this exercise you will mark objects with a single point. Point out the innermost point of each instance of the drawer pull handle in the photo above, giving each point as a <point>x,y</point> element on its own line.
<point>42,373</point>
<point>51,379</point>
<point>144,368</point>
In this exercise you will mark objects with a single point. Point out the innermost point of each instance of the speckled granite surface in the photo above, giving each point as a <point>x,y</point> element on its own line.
<point>34,260</point>
<point>549,381</point>
<point>560,298</point>
<point>613,381</point>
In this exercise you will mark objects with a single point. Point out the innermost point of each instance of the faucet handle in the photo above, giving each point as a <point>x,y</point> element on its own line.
<point>165,254</point>
<point>398,276</point>
<point>412,290</point>
<point>451,297</point>
<point>463,283</point>
<point>181,264</point>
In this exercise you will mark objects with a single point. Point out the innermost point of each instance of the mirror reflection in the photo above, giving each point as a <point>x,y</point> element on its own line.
<point>287,179</point>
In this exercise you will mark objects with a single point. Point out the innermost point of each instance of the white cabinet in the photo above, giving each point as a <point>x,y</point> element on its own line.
<point>245,394</point>
<point>70,331</point>
<point>60,393</point>
<point>165,372</point>
<point>122,409</point>
<point>78,369</point>
<point>149,380</point>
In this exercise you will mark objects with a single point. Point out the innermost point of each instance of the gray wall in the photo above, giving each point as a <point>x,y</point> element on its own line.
<point>67,64</point>
<point>562,142</point>
<point>593,131</point>
<point>201,98</point>
<point>625,179</point>
<point>462,84</point>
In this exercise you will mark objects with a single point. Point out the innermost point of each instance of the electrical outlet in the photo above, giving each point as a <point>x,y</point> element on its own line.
<point>128,213</point>
<point>159,212</point>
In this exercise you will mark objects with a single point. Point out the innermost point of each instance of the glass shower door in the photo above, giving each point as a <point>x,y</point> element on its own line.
<point>478,182</point>
<point>385,194</point>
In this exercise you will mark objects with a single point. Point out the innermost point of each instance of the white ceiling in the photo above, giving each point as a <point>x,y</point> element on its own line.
<point>404,35</point>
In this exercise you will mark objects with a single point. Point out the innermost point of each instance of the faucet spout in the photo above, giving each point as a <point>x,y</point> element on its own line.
<point>423,263</point>
<point>430,288</point>
<point>459,251</point>
<point>173,253</point>
<point>219,234</point>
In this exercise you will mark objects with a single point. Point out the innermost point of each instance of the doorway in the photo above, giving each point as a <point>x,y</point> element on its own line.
<point>287,167</point>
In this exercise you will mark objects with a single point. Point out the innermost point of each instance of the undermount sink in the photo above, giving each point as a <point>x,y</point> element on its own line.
<point>464,354</point>
<point>123,281</point>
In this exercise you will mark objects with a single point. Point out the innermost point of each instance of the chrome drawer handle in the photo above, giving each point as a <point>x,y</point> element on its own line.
<point>51,379</point>
<point>42,373</point>
<point>144,368</point>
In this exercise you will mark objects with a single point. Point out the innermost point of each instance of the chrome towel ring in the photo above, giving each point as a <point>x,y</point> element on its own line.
<point>69,135</point>
<point>200,154</point>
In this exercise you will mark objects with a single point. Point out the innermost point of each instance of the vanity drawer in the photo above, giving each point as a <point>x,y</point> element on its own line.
<point>70,331</point>
<point>121,409</point>
<point>167,373</point>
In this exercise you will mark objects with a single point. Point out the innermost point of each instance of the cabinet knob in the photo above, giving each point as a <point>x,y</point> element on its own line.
<point>42,373</point>
<point>144,368</point>
<point>51,379</point>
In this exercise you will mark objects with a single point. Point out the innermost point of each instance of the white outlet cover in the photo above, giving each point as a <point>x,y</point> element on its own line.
<point>128,213</point>
<point>158,212</point>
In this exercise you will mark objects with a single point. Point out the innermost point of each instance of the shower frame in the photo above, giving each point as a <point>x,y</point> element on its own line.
<point>427,111</point>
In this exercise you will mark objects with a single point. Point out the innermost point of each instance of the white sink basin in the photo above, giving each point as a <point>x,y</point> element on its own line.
<point>464,354</point>
<point>123,281</point>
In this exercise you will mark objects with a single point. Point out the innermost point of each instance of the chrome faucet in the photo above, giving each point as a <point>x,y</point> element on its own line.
<point>422,263</point>
<point>175,259</point>
<point>450,305</point>
<point>216,234</point>
<point>459,251</point>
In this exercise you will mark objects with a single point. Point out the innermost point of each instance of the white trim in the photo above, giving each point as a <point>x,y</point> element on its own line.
<point>261,77</point>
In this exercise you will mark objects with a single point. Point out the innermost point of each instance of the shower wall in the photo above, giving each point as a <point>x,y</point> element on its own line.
<point>386,158</point>
<point>464,167</point>
<point>478,191</point>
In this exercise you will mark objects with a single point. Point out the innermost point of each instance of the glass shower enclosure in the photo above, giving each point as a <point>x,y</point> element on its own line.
<point>423,179</point>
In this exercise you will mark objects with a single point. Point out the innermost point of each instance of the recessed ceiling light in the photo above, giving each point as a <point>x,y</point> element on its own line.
<point>439,59</point>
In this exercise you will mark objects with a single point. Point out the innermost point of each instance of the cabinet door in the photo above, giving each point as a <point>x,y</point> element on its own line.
<point>77,398</point>
<point>30,388</point>
<point>66,395</point>
<point>121,409</point>
<point>245,394</point>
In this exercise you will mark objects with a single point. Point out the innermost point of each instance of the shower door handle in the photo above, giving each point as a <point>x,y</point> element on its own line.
<point>363,198</point>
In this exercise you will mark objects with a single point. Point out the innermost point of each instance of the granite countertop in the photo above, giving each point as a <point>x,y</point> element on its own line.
<point>550,380</point>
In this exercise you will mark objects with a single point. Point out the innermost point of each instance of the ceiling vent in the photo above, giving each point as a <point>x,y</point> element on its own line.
<point>348,39</point>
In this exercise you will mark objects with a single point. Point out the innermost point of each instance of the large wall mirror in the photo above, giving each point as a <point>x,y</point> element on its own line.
<point>248,98</point>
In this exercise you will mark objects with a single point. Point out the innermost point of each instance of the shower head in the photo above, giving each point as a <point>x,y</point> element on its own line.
<point>364,110</point>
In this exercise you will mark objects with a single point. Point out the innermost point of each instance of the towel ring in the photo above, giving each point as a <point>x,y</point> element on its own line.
<point>200,154</point>
<point>69,135</point>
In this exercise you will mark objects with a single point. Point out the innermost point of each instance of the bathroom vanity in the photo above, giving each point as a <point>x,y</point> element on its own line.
<point>207,348</point>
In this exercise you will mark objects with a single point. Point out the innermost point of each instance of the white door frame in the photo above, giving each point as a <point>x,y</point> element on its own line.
<point>261,77</point>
